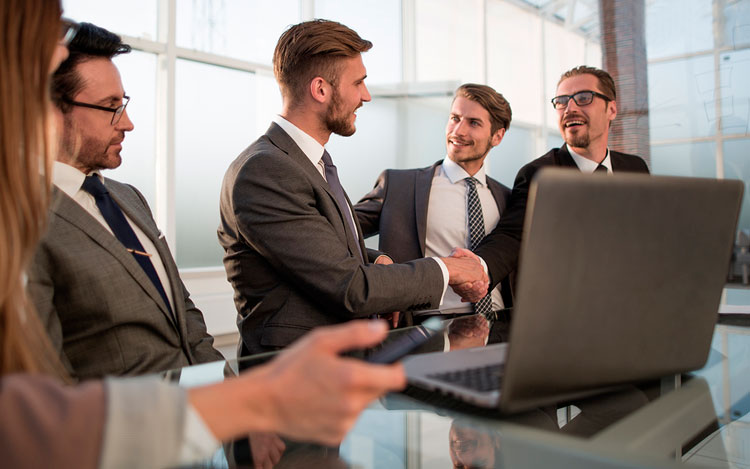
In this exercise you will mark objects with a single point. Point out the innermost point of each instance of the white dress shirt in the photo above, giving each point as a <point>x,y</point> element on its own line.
<point>448,221</point>
<point>588,166</point>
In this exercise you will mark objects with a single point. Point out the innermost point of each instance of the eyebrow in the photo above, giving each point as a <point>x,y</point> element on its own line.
<point>111,99</point>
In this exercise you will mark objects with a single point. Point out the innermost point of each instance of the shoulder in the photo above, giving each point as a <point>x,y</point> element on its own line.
<point>627,162</point>
<point>497,185</point>
<point>126,191</point>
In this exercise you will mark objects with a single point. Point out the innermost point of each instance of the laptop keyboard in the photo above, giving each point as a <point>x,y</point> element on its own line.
<point>482,379</point>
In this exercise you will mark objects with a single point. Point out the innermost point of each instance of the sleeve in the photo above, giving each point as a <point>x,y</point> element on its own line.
<point>369,207</point>
<point>47,424</point>
<point>279,213</point>
<point>201,342</point>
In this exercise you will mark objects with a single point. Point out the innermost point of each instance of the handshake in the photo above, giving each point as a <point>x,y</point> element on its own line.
<point>466,275</point>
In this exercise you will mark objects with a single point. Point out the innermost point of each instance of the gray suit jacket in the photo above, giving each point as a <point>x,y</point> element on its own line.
<point>291,256</point>
<point>396,209</point>
<point>100,309</point>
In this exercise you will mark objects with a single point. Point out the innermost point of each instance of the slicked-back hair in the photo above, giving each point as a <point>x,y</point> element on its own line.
<point>313,49</point>
<point>90,42</point>
<point>606,83</point>
<point>494,102</point>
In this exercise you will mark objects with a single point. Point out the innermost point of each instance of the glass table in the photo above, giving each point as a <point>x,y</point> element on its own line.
<point>699,419</point>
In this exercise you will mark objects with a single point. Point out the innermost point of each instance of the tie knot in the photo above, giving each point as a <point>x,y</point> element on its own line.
<point>94,186</point>
<point>601,169</point>
<point>471,181</point>
<point>327,158</point>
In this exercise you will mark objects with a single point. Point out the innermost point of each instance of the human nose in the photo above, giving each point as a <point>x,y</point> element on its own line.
<point>365,95</point>
<point>125,124</point>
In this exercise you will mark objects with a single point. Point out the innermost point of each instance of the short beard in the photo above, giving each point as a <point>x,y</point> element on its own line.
<point>580,141</point>
<point>334,121</point>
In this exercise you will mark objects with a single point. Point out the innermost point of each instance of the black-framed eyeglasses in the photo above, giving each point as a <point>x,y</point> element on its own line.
<point>582,98</point>
<point>68,30</point>
<point>117,112</point>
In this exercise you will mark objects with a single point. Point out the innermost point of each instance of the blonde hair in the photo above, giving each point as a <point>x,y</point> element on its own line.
<point>29,30</point>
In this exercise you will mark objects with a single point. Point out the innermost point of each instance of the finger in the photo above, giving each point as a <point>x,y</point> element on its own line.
<point>348,336</point>
<point>369,378</point>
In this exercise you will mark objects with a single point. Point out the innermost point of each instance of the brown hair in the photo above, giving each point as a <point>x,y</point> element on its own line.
<point>313,49</point>
<point>491,100</point>
<point>29,30</point>
<point>606,83</point>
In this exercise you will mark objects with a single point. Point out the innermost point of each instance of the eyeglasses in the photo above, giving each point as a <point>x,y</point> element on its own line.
<point>68,30</point>
<point>582,98</point>
<point>117,112</point>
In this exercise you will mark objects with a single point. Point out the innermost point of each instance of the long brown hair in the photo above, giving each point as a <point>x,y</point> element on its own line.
<point>29,31</point>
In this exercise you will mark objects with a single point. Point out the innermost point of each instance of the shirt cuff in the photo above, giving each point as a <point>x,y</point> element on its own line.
<point>484,266</point>
<point>446,276</point>
<point>198,443</point>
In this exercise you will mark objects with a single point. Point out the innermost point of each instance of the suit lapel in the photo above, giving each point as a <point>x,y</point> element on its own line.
<point>422,187</point>
<point>69,210</point>
<point>497,194</point>
<point>564,159</point>
<point>285,143</point>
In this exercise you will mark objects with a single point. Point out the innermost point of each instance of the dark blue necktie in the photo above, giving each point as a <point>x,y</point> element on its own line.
<point>601,169</point>
<point>476,234</point>
<point>332,177</point>
<point>123,231</point>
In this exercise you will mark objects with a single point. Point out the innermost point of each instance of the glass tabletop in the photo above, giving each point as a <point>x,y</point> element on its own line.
<point>696,419</point>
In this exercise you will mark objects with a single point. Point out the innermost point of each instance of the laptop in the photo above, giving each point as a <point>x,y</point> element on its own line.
<point>619,281</point>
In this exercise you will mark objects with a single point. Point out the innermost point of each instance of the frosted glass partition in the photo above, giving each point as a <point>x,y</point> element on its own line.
<point>678,27</point>
<point>378,21</point>
<point>138,72</point>
<point>737,166</point>
<point>737,23</point>
<point>515,71</point>
<point>213,125</point>
<point>735,92</point>
<point>449,40</point>
<point>235,28</point>
<point>681,98</point>
<point>686,159</point>
<point>136,18</point>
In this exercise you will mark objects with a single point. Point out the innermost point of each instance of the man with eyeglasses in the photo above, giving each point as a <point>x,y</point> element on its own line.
<point>103,279</point>
<point>585,105</point>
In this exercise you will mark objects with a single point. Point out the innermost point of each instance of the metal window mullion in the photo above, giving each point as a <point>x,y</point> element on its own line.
<point>718,29</point>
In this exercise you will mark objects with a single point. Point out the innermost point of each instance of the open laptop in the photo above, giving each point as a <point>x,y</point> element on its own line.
<point>620,279</point>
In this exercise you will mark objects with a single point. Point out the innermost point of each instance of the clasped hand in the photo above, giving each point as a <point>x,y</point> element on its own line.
<point>466,275</point>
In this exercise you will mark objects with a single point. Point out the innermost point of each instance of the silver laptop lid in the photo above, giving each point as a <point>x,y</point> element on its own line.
<point>620,279</point>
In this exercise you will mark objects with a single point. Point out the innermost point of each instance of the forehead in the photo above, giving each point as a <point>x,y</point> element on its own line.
<point>578,83</point>
<point>465,107</point>
<point>100,78</point>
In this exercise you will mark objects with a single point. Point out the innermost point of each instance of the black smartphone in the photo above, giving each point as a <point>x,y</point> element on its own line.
<point>395,350</point>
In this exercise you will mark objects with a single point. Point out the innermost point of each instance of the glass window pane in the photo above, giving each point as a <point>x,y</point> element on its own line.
<point>681,98</point>
<point>449,38</point>
<point>737,23</point>
<point>237,28</point>
<point>737,166</point>
<point>516,72</point>
<point>564,50</point>
<point>136,18</point>
<point>138,72</point>
<point>666,30</point>
<point>516,149</point>
<point>213,126</point>
<point>689,159</point>
<point>735,92</point>
<point>378,21</point>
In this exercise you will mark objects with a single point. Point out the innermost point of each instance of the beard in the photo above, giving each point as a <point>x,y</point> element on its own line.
<point>336,119</point>
<point>479,153</point>
<point>580,140</point>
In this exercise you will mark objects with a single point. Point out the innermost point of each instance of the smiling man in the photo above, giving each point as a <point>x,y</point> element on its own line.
<point>427,211</point>
<point>103,279</point>
<point>293,249</point>
<point>586,105</point>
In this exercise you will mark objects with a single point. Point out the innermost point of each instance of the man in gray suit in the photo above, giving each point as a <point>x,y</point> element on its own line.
<point>425,212</point>
<point>294,251</point>
<point>103,279</point>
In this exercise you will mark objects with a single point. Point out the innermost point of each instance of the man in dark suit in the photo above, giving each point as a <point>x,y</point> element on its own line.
<point>425,212</point>
<point>103,279</point>
<point>294,250</point>
<point>585,103</point>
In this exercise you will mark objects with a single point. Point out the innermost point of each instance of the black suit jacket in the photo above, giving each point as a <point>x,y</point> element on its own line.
<point>500,248</point>
<point>291,256</point>
<point>396,209</point>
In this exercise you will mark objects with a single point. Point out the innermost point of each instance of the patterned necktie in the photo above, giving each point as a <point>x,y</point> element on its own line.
<point>332,176</point>
<point>476,234</point>
<point>601,169</point>
<point>123,231</point>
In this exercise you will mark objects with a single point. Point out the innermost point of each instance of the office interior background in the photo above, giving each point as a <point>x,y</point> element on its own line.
<point>202,89</point>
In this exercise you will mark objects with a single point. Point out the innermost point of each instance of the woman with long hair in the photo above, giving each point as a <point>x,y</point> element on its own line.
<point>308,393</point>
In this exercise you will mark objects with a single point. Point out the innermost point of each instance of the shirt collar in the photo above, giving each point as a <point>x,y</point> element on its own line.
<point>588,166</point>
<point>309,146</point>
<point>456,173</point>
<point>68,179</point>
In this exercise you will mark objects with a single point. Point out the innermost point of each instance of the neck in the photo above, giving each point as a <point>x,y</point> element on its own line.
<point>471,167</point>
<point>72,161</point>
<point>594,152</point>
<point>308,121</point>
